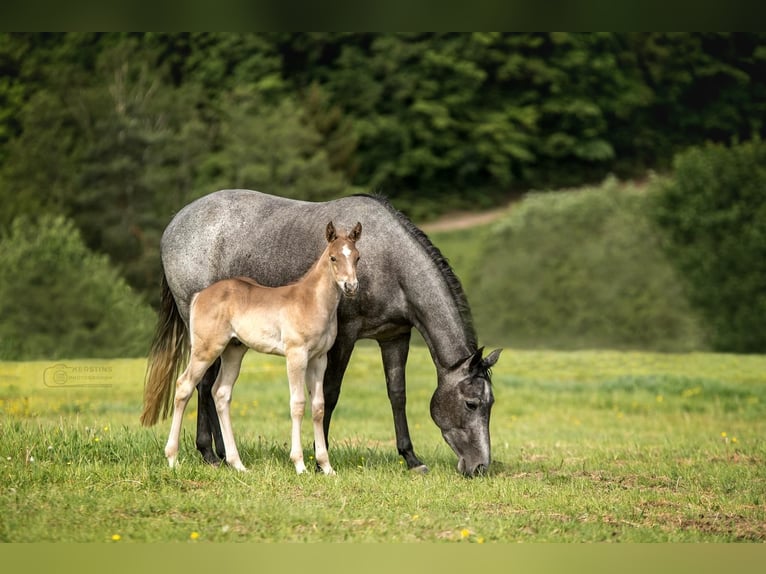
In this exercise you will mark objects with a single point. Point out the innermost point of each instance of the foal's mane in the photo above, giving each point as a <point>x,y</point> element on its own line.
<point>452,281</point>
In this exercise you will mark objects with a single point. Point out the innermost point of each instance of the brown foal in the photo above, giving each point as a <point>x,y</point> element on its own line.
<point>297,321</point>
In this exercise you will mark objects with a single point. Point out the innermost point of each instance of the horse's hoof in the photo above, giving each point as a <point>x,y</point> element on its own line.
<point>421,469</point>
<point>212,460</point>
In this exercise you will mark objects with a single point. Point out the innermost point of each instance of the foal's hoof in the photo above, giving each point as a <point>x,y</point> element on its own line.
<point>238,466</point>
<point>421,469</point>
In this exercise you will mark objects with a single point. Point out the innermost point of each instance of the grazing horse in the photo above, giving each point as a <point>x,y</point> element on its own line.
<point>298,321</point>
<point>405,282</point>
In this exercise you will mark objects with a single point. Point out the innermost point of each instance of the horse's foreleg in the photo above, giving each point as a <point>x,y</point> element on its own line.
<point>208,427</point>
<point>296,376</point>
<point>314,383</point>
<point>231,362</point>
<point>184,389</point>
<point>395,353</point>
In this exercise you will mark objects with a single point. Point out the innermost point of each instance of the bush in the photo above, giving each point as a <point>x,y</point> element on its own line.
<point>580,269</point>
<point>714,213</point>
<point>58,299</point>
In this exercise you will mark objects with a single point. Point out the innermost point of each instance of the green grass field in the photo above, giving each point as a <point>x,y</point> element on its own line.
<point>587,446</point>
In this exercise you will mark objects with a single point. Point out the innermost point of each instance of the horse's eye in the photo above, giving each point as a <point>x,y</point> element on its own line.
<point>332,258</point>
<point>472,405</point>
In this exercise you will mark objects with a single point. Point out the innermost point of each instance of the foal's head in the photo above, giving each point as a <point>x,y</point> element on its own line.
<point>344,257</point>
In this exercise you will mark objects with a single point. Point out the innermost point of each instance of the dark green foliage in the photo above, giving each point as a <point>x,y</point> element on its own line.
<point>117,131</point>
<point>436,121</point>
<point>60,300</point>
<point>115,150</point>
<point>581,269</point>
<point>714,212</point>
<point>272,148</point>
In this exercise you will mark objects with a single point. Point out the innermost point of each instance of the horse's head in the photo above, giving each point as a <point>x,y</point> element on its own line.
<point>343,257</point>
<point>461,406</point>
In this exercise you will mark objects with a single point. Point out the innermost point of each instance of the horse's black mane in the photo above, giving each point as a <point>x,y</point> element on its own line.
<point>453,283</point>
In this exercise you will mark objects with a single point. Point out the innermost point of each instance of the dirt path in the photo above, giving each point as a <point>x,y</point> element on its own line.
<point>463,220</point>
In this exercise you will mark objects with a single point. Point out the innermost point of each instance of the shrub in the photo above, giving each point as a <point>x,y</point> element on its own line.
<point>58,299</point>
<point>580,269</point>
<point>714,213</point>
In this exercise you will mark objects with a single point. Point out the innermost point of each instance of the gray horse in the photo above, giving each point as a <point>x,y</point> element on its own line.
<point>404,281</point>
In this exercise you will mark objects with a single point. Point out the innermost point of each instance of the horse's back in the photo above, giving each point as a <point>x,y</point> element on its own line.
<point>275,240</point>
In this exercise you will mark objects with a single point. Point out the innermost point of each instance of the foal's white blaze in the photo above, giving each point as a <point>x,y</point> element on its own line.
<point>346,251</point>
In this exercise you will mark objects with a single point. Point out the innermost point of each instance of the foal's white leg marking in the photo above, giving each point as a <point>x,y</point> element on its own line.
<point>314,383</point>
<point>296,374</point>
<point>184,389</point>
<point>231,362</point>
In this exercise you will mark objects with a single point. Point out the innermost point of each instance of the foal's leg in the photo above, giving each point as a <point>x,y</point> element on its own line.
<point>231,362</point>
<point>314,384</point>
<point>184,389</point>
<point>296,375</point>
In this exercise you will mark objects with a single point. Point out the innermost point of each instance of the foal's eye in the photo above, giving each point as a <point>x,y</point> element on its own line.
<point>472,405</point>
<point>332,258</point>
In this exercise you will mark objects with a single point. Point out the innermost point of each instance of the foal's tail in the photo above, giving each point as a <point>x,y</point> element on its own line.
<point>169,347</point>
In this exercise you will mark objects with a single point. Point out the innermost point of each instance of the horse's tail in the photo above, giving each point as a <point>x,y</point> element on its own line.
<point>169,347</point>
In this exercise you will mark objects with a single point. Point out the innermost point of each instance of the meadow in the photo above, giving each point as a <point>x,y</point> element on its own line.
<point>588,446</point>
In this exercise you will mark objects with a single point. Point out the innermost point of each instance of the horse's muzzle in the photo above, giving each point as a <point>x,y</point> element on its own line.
<point>470,472</point>
<point>350,289</point>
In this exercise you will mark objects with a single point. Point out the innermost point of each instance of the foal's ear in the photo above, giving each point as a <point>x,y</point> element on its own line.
<point>356,233</point>
<point>330,233</point>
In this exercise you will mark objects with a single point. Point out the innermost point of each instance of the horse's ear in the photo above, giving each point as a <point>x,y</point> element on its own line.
<point>491,359</point>
<point>330,233</point>
<point>356,233</point>
<point>476,357</point>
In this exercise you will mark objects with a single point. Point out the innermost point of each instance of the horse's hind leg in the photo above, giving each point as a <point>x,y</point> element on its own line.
<point>184,389</point>
<point>208,427</point>
<point>314,383</point>
<point>231,362</point>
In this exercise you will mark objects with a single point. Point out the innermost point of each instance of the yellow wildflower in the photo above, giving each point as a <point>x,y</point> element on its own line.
<point>465,533</point>
<point>116,537</point>
<point>194,535</point>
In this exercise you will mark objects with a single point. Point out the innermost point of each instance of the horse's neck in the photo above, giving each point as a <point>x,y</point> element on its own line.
<point>438,318</point>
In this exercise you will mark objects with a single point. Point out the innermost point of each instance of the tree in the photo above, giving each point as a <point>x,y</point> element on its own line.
<point>271,148</point>
<point>59,299</point>
<point>713,210</point>
<point>115,148</point>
